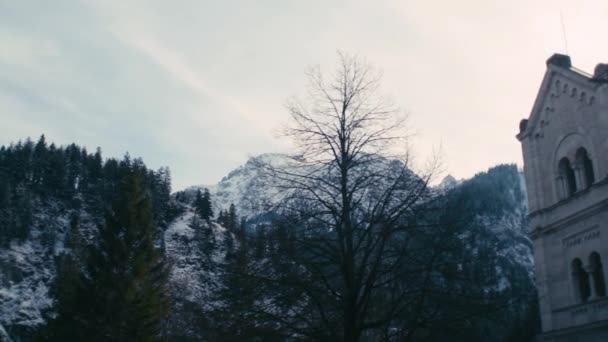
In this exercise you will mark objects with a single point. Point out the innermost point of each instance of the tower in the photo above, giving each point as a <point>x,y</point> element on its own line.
<point>565,150</point>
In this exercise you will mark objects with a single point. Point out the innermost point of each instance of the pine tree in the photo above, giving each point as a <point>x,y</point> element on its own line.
<point>202,204</point>
<point>232,218</point>
<point>74,168</point>
<point>260,241</point>
<point>239,294</point>
<point>206,207</point>
<point>124,284</point>
<point>39,161</point>
<point>131,268</point>
<point>205,237</point>
<point>68,290</point>
<point>55,172</point>
<point>198,202</point>
<point>6,211</point>
<point>238,320</point>
<point>221,218</point>
<point>228,244</point>
<point>22,213</point>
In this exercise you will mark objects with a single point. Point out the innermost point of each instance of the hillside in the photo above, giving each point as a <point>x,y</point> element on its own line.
<point>203,255</point>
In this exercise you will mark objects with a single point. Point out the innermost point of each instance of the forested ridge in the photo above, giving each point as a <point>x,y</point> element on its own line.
<point>38,172</point>
<point>58,201</point>
<point>70,220</point>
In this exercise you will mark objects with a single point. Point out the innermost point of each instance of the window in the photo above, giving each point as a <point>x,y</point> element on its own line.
<point>583,161</point>
<point>580,281</point>
<point>597,274</point>
<point>566,174</point>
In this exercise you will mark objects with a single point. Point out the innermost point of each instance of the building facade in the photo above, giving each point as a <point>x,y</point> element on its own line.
<point>565,150</point>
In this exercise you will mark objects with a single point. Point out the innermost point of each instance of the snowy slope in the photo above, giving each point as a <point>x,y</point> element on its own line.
<point>244,187</point>
<point>28,267</point>
<point>251,190</point>
<point>28,270</point>
<point>197,257</point>
<point>192,277</point>
<point>500,201</point>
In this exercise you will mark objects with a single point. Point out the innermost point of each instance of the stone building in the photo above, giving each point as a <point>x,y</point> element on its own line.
<point>565,149</point>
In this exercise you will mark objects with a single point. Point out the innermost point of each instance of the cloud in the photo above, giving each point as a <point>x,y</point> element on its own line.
<point>22,50</point>
<point>181,70</point>
<point>200,85</point>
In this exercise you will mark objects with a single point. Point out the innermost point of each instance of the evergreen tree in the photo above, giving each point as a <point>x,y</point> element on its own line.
<point>238,320</point>
<point>260,241</point>
<point>198,202</point>
<point>164,193</point>
<point>202,204</point>
<point>232,218</point>
<point>206,207</point>
<point>228,244</point>
<point>124,292</point>
<point>205,239</point>
<point>55,172</point>
<point>74,168</point>
<point>39,161</point>
<point>6,212</point>
<point>221,218</point>
<point>235,320</point>
<point>67,290</point>
<point>22,213</point>
<point>92,172</point>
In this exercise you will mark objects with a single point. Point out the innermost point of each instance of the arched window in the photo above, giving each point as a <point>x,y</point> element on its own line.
<point>582,159</point>
<point>567,175</point>
<point>597,274</point>
<point>580,281</point>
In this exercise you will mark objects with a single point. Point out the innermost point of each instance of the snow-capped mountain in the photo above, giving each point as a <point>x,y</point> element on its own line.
<point>448,182</point>
<point>252,189</point>
<point>244,186</point>
<point>28,266</point>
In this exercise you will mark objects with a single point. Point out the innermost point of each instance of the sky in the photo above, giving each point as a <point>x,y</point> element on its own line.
<point>200,86</point>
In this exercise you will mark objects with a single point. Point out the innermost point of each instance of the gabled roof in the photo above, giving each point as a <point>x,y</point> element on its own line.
<point>560,65</point>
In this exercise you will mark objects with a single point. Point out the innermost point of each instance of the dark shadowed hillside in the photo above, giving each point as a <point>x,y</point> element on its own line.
<point>54,202</point>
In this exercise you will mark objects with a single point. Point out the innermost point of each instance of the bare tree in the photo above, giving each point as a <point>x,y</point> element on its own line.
<point>363,249</point>
<point>353,192</point>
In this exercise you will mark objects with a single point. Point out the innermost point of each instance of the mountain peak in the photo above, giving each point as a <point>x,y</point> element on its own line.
<point>448,182</point>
